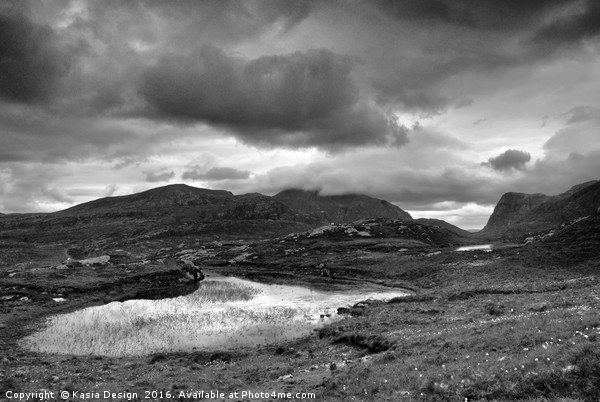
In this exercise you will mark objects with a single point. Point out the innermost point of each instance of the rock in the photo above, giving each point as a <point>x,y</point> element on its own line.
<point>344,310</point>
<point>366,359</point>
<point>103,259</point>
<point>157,358</point>
<point>220,356</point>
<point>539,307</point>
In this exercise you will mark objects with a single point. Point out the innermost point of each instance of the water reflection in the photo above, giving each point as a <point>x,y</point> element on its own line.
<point>273,314</point>
<point>484,247</point>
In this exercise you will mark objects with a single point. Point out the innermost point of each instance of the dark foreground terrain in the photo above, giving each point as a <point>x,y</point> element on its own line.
<point>518,323</point>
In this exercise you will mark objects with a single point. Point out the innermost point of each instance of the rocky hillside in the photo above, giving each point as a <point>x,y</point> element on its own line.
<point>340,208</point>
<point>517,214</point>
<point>179,211</point>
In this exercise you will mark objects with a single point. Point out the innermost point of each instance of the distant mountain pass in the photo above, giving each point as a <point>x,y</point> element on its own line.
<point>443,224</point>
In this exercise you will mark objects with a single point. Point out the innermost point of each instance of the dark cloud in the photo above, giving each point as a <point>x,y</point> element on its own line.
<point>31,61</point>
<point>482,14</point>
<point>553,176</point>
<point>215,174</point>
<point>294,100</point>
<point>580,21</point>
<point>230,19</point>
<point>28,135</point>
<point>580,114</point>
<point>508,160</point>
<point>152,177</point>
<point>467,37</point>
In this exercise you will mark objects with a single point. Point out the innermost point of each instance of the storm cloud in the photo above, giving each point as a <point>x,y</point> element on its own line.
<point>301,99</point>
<point>510,159</point>
<point>31,62</point>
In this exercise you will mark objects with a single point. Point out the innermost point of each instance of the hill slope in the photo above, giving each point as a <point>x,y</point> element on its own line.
<point>340,208</point>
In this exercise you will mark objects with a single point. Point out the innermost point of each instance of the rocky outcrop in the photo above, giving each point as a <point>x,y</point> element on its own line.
<point>340,208</point>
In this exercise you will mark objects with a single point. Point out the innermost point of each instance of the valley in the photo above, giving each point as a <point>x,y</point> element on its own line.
<point>515,321</point>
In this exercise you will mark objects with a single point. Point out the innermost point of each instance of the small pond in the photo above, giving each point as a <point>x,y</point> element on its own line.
<point>224,313</point>
<point>484,247</point>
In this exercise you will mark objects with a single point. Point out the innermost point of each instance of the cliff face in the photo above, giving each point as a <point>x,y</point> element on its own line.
<point>512,207</point>
<point>517,214</point>
<point>340,208</point>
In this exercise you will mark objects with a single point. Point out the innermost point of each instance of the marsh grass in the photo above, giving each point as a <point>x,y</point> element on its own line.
<point>218,315</point>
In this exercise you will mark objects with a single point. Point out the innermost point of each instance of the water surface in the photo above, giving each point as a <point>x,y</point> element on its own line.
<point>243,314</point>
<point>484,247</point>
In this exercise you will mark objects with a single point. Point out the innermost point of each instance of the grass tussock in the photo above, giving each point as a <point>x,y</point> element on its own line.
<point>220,292</point>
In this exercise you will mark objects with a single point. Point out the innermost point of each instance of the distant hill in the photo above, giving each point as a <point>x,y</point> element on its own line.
<point>213,205</point>
<point>443,224</point>
<point>155,201</point>
<point>189,203</point>
<point>180,210</point>
<point>340,208</point>
<point>517,214</point>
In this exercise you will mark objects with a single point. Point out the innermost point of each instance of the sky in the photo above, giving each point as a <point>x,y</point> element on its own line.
<point>438,106</point>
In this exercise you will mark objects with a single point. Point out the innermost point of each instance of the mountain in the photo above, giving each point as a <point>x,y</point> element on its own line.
<point>512,207</point>
<point>183,201</point>
<point>517,214</point>
<point>340,208</point>
<point>212,205</point>
<point>443,224</point>
<point>179,210</point>
<point>156,201</point>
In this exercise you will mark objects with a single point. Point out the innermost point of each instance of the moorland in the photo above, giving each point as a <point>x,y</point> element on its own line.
<point>518,321</point>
